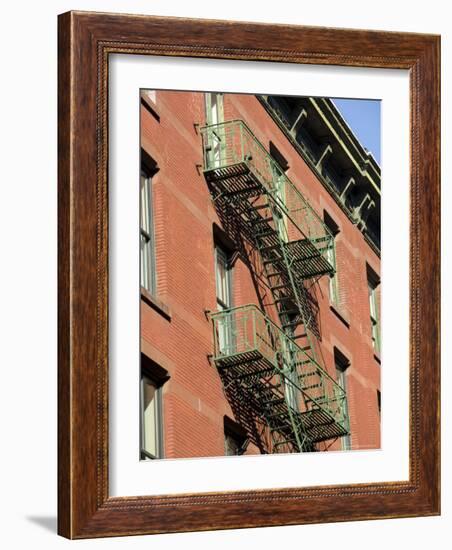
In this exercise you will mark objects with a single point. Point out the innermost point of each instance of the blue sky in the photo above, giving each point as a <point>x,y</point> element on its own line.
<point>363,117</point>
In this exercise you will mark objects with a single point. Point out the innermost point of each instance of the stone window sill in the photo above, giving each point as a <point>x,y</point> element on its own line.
<point>156,304</point>
<point>340,314</point>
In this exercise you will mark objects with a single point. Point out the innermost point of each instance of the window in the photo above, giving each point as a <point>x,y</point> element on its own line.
<point>342,364</point>
<point>291,375</point>
<point>235,438</point>
<point>223,273</point>
<point>379,401</point>
<point>279,168</point>
<point>151,419</point>
<point>330,256</point>
<point>372,282</point>
<point>223,277</point>
<point>152,379</point>
<point>147,242</point>
<point>215,116</point>
<point>214,108</point>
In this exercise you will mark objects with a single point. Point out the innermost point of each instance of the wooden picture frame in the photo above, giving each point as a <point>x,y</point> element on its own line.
<point>85,508</point>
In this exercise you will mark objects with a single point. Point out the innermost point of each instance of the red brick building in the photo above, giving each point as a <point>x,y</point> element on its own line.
<point>260,237</point>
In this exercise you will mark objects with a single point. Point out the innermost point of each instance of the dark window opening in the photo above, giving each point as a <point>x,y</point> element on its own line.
<point>235,438</point>
<point>330,223</point>
<point>278,157</point>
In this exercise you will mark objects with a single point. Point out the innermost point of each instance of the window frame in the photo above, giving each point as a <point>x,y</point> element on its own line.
<point>145,454</point>
<point>373,282</point>
<point>216,139</point>
<point>279,170</point>
<point>158,376</point>
<point>219,102</point>
<point>148,263</point>
<point>226,335</point>
<point>342,365</point>
<point>219,249</point>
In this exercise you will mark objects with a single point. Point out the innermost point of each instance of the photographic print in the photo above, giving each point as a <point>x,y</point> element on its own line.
<point>259,274</point>
<point>253,332</point>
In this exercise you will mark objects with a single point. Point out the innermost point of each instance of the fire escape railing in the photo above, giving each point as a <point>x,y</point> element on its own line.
<point>232,144</point>
<point>245,335</point>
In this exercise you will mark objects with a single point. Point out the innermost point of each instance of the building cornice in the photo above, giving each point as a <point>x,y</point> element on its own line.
<point>342,146</point>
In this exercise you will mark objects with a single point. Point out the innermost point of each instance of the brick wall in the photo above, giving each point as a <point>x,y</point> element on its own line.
<point>194,403</point>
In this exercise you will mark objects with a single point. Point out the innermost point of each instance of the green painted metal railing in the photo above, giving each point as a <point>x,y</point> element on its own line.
<point>231,144</point>
<point>245,331</point>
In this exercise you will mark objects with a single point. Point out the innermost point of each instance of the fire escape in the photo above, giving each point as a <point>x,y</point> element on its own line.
<point>273,369</point>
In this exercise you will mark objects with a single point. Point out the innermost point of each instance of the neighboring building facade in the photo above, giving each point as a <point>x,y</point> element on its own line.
<point>260,287</point>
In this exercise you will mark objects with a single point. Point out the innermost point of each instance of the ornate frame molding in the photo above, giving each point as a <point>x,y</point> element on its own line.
<point>85,42</point>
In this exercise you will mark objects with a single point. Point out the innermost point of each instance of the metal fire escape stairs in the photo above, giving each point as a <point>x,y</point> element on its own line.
<point>288,387</point>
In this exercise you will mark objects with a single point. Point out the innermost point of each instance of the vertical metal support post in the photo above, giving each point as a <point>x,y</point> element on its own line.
<point>254,329</point>
<point>242,144</point>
